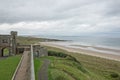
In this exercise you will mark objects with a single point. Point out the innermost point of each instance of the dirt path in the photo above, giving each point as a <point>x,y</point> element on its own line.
<point>43,73</point>
<point>2,58</point>
<point>22,70</point>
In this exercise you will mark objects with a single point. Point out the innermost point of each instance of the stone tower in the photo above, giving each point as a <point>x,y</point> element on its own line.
<point>13,43</point>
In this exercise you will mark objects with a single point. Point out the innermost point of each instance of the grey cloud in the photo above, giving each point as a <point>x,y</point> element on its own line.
<point>69,14</point>
<point>113,8</point>
<point>12,11</point>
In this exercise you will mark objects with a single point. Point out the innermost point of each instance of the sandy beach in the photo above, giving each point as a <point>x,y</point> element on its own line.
<point>81,50</point>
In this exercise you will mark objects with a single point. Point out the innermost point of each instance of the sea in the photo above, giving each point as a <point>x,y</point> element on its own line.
<point>107,42</point>
<point>103,41</point>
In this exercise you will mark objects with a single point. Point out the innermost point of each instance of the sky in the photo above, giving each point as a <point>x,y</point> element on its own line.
<point>60,17</point>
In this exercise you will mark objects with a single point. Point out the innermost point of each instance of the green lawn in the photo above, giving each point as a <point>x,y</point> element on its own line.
<point>8,66</point>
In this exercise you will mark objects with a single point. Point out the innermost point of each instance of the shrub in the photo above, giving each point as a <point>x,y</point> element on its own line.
<point>57,54</point>
<point>69,57</point>
<point>63,55</point>
<point>114,75</point>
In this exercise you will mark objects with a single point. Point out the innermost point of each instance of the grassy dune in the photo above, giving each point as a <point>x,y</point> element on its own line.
<point>32,40</point>
<point>64,69</point>
<point>8,66</point>
<point>96,68</point>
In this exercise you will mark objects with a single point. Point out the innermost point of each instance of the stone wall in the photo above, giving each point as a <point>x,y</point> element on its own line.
<point>8,41</point>
<point>39,51</point>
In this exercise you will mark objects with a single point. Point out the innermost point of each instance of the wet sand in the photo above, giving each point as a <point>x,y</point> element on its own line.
<point>86,51</point>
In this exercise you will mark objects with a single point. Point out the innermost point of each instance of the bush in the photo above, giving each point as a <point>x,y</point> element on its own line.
<point>57,54</point>
<point>69,57</point>
<point>114,75</point>
<point>63,55</point>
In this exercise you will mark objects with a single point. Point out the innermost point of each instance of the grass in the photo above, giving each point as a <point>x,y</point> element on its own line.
<point>6,52</point>
<point>8,66</point>
<point>60,75</point>
<point>37,63</point>
<point>98,68</point>
<point>67,70</point>
<point>32,40</point>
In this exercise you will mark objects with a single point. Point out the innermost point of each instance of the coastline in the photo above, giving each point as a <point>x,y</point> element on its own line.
<point>85,51</point>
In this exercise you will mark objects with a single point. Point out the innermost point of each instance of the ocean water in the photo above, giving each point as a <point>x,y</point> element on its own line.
<point>111,42</point>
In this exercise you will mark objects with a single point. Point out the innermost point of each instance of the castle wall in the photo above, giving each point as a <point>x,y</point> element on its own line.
<point>8,41</point>
<point>4,40</point>
<point>13,42</point>
<point>39,51</point>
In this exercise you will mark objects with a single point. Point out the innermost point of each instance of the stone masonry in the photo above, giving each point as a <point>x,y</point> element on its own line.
<point>39,51</point>
<point>8,41</point>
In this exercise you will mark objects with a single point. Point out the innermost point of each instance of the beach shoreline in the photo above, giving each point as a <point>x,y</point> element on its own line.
<point>85,51</point>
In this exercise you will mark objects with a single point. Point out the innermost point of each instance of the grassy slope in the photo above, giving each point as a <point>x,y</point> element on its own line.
<point>64,69</point>
<point>99,68</point>
<point>8,66</point>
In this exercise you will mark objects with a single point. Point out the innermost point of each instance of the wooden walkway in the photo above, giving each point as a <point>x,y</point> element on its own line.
<point>22,72</point>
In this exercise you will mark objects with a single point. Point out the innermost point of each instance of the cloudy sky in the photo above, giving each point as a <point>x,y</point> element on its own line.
<point>60,17</point>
